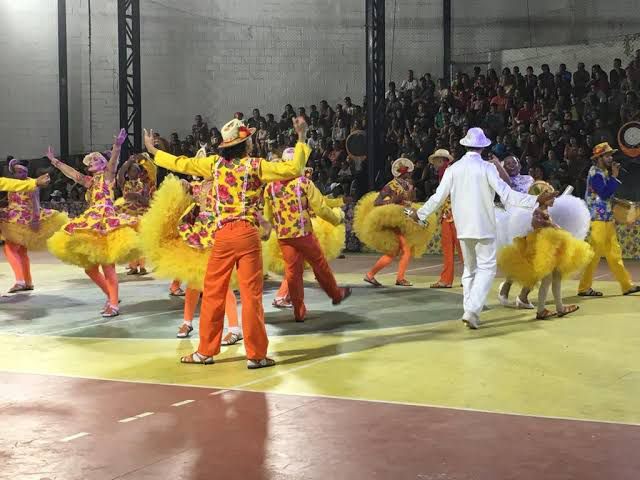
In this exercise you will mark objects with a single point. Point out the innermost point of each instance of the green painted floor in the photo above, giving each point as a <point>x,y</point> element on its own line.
<point>400,345</point>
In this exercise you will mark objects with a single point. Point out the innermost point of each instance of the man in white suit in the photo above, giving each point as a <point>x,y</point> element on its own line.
<point>472,184</point>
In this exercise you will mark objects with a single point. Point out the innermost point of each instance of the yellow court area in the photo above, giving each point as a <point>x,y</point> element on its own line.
<point>396,345</point>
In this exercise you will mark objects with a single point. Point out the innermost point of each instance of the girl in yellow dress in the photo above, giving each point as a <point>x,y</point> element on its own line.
<point>100,237</point>
<point>25,226</point>
<point>137,181</point>
<point>551,251</point>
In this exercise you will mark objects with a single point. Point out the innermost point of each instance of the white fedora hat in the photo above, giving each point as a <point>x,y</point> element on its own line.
<point>475,138</point>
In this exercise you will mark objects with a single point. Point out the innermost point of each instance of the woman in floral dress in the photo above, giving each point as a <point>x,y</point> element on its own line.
<point>100,237</point>
<point>25,226</point>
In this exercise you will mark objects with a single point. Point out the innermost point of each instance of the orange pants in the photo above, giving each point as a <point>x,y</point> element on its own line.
<point>385,260</point>
<point>18,258</point>
<point>107,281</point>
<point>295,252</point>
<point>237,245</point>
<point>283,291</point>
<point>192,296</point>
<point>449,243</point>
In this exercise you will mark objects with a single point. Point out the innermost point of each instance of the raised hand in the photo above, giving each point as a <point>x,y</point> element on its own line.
<point>43,180</point>
<point>300,126</point>
<point>120,139</point>
<point>50,155</point>
<point>149,142</point>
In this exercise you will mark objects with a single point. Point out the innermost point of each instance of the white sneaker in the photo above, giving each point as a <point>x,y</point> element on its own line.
<point>471,320</point>
<point>520,305</point>
<point>503,299</point>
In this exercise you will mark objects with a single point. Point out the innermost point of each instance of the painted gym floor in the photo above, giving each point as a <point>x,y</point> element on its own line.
<point>389,385</point>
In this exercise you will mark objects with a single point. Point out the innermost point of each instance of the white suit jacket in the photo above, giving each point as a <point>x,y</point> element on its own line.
<point>472,184</point>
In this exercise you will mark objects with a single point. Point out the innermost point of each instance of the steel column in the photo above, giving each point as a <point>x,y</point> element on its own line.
<point>375,31</point>
<point>446,40</point>
<point>130,85</point>
<point>63,91</point>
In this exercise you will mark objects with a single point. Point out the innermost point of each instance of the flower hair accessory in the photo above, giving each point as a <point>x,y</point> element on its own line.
<point>235,132</point>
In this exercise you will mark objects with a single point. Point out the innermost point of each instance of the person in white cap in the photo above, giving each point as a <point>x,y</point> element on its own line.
<point>472,184</point>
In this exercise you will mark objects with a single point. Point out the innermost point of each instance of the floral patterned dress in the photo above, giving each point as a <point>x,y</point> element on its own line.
<point>127,207</point>
<point>16,221</point>
<point>101,216</point>
<point>198,226</point>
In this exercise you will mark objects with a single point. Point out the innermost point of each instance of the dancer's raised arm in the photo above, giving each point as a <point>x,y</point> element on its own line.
<point>112,165</point>
<point>68,171</point>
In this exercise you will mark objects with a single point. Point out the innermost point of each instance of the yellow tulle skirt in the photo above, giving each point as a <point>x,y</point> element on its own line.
<point>330,237</point>
<point>171,257</point>
<point>34,239</point>
<point>86,248</point>
<point>530,259</point>
<point>376,227</point>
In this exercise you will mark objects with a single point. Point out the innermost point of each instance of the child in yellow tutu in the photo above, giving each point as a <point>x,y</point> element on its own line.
<point>100,237</point>
<point>25,226</point>
<point>549,252</point>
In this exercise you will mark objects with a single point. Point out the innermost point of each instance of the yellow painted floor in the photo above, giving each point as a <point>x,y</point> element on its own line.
<point>387,345</point>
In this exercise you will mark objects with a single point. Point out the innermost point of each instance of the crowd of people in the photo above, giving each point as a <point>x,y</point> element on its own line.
<point>550,121</point>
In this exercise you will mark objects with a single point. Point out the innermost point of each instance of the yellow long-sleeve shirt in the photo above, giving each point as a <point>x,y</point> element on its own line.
<point>288,205</point>
<point>237,184</point>
<point>13,185</point>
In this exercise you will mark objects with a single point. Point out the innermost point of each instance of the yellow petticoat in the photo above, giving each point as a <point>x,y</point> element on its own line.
<point>85,248</point>
<point>34,239</point>
<point>529,259</point>
<point>171,257</point>
<point>376,227</point>
<point>331,239</point>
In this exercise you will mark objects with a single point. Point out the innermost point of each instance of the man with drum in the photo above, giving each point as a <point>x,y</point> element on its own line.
<point>602,184</point>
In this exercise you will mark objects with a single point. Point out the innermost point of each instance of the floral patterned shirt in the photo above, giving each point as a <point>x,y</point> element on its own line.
<point>197,225</point>
<point>238,184</point>
<point>399,190</point>
<point>600,188</point>
<point>290,205</point>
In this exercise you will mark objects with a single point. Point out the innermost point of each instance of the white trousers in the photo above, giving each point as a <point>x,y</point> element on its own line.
<point>479,272</point>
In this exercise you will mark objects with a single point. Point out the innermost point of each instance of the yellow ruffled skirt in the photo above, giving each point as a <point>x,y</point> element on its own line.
<point>330,237</point>
<point>164,248</point>
<point>530,259</point>
<point>86,248</point>
<point>34,239</point>
<point>376,227</point>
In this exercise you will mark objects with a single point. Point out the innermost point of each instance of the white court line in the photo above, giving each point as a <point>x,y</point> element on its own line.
<point>127,420</point>
<point>601,276</point>
<point>97,323</point>
<point>74,437</point>
<point>333,397</point>
<point>219,392</point>
<point>145,414</point>
<point>184,402</point>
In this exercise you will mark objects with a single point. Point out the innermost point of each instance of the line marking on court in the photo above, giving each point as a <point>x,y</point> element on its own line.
<point>184,402</point>
<point>98,323</point>
<point>332,397</point>
<point>414,269</point>
<point>75,437</point>
<point>219,392</point>
<point>135,417</point>
<point>127,420</point>
<point>145,414</point>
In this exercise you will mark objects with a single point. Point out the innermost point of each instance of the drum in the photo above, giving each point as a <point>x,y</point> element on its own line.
<point>625,211</point>
<point>356,145</point>
<point>629,139</point>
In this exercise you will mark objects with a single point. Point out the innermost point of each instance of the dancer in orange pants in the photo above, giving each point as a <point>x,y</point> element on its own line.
<point>289,205</point>
<point>238,181</point>
<point>399,191</point>
<point>441,159</point>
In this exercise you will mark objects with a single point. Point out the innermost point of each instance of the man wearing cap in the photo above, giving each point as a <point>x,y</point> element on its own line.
<point>601,187</point>
<point>289,205</point>
<point>472,184</point>
<point>441,159</point>
<point>238,183</point>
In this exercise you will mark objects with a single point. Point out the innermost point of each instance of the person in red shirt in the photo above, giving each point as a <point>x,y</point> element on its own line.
<point>524,114</point>
<point>500,100</point>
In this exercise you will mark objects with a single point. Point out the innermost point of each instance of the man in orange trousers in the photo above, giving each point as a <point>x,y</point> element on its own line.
<point>288,205</point>
<point>238,181</point>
